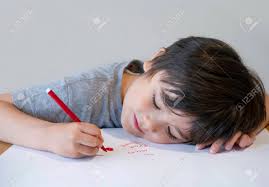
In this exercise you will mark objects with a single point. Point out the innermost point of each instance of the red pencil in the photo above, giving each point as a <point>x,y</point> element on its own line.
<point>65,108</point>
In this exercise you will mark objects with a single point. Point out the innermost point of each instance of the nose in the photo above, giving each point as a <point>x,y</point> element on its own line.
<point>150,124</point>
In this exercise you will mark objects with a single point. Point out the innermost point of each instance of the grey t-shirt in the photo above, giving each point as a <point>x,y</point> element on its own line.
<point>94,96</point>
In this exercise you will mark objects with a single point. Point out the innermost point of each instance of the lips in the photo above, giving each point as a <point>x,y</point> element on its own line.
<point>136,124</point>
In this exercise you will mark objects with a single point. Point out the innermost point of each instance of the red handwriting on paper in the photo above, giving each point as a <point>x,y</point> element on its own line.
<point>136,148</point>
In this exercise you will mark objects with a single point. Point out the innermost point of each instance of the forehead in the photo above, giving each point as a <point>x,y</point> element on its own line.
<point>161,87</point>
<point>157,83</point>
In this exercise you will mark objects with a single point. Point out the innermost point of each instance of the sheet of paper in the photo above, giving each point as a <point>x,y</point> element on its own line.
<point>137,162</point>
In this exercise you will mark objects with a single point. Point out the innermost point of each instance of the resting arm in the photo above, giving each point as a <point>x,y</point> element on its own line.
<point>243,140</point>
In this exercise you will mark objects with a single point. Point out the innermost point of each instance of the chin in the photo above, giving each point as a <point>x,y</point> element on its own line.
<point>124,125</point>
<point>128,130</point>
<point>124,120</point>
<point>127,127</point>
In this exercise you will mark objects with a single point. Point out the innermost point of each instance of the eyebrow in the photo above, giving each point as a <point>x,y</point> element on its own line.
<point>157,93</point>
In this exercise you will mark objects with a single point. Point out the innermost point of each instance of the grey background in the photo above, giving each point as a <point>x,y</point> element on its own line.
<point>41,41</point>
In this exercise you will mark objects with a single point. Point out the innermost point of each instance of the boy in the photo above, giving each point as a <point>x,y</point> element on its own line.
<point>195,91</point>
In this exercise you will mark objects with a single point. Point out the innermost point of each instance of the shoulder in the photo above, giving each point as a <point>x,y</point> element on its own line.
<point>100,72</point>
<point>94,81</point>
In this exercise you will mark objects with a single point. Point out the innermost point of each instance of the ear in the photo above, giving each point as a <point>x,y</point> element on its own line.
<point>147,64</point>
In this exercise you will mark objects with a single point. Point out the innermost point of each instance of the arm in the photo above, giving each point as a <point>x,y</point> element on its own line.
<point>70,140</point>
<point>19,128</point>
<point>243,140</point>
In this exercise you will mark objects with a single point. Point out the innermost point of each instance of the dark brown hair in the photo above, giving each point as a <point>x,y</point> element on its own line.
<point>213,87</point>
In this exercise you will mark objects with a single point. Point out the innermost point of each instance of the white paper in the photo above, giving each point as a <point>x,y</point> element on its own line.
<point>137,162</point>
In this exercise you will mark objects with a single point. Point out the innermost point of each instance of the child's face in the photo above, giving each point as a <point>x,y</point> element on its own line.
<point>153,122</point>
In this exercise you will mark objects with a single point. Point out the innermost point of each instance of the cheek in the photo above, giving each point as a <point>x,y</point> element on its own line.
<point>138,97</point>
<point>159,138</point>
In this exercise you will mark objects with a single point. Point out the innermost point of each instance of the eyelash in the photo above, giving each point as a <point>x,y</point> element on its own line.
<point>154,102</point>
<point>170,134</point>
<point>168,130</point>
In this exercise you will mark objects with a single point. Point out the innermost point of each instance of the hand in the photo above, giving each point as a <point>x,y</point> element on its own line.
<point>75,139</point>
<point>242,140</point>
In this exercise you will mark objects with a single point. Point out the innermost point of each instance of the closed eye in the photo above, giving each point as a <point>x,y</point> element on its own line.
<point>154,101</point>
<point>170,134</point>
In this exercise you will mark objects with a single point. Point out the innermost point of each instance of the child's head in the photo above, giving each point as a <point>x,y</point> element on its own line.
<point>201,87</point>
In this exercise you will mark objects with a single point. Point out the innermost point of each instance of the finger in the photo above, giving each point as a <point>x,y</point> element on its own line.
<point>244,141</point>
<point>85,150</point>
<point>238,140</point>
<point>252,136</point>
<point>101,138</point>
<point>230,143</point>
<point>216,146</point>
<point>90,129</point>
<point>251,139</point>
<point>88,140</point>
<point>203,145</point>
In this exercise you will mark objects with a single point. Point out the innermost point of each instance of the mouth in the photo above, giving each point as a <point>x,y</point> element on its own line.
<point>136,124</point>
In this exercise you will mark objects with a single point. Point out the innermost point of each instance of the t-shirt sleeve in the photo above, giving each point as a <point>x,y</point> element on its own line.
<point>36,102</point>
<point>91,95</point>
